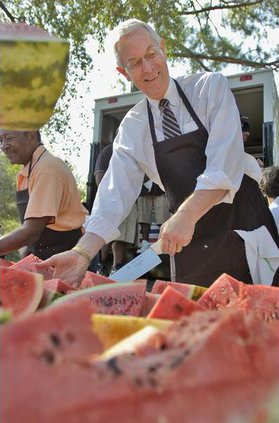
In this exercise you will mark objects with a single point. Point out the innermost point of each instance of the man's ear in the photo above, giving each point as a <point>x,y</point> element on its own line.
<point>123,72</point>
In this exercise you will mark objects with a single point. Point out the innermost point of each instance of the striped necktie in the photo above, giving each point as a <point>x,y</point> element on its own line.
<point>169,122</point>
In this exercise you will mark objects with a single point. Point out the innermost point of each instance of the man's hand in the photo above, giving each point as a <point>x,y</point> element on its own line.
<point>69,266</point>
<point>177,232</point>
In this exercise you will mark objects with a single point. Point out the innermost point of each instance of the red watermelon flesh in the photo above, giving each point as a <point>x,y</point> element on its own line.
<point>227,292</point>
<point>53,289</point>
<point>93,279</point>
<point>58,285</point>
<point>118,298</point>
<point>173,305</point>
<point>21,291</point>
<point>5,263</point>
<point>188,290</point>
<point>264,300</point>
<point>222,293</point>
<point>168,385</point>
<point>29,263</point>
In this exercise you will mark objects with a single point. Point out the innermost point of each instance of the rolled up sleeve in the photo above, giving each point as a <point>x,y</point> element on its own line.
<point>225,150</point>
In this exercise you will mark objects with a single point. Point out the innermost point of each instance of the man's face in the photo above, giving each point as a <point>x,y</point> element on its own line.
<point>245,136</point>
<point>144,63</point>
<point>17,146</point>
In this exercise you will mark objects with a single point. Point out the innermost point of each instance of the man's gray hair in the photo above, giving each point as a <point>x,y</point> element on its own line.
<point>127,27</point>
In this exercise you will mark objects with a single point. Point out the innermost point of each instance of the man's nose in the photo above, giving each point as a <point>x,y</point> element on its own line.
<point>147,65</point>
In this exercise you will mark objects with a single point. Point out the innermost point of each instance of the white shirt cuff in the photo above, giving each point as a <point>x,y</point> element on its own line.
<point>218,180</point>
<point>101,227</point>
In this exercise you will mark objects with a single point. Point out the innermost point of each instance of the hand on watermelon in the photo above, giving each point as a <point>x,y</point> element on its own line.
<point>69,266</point>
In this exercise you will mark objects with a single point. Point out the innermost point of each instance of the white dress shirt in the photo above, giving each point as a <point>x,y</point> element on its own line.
<point>133,154</point>
<point>274,208</point>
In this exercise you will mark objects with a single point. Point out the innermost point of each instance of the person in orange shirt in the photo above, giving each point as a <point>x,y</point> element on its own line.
<point>48,200</point>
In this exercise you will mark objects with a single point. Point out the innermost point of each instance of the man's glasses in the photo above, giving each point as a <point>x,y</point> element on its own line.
<point>151,55</point>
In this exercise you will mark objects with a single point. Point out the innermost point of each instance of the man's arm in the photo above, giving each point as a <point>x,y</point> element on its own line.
<point>27,234</point>
<point>177,232</point>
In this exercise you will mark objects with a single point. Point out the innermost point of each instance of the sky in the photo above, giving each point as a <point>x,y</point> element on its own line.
<point>103,81</point>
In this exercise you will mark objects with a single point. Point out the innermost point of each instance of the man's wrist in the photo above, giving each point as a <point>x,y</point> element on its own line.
<point>82,252</point>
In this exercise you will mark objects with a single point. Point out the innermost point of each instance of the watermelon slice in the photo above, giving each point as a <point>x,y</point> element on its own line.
<point>189,291</point>
<point>54,289</point>
<point>93,279</point>
<point>58,285</point>
<point>21,291</point>
<point>118,298</point>
<point>173,305</point>
<point>213,369</point>
<point>5,263</point>
<point>224,292</point>
<point>29,263</point>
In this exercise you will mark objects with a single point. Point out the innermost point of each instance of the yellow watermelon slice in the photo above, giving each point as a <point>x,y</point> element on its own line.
<point>112,328</point>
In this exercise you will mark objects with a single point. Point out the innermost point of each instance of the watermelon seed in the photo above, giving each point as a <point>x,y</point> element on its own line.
<point>153,369</point>
<point>55,340</point>
<point>178,360</point>
<point>152,382</point>
<point>70,337</point>
<point>48,356</point>
<point>137,381</point>
<point>112,365</point>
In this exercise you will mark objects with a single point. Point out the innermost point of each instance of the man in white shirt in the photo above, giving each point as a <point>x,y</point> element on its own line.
<point>210,182</point>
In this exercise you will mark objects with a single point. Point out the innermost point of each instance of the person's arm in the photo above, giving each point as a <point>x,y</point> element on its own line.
<point>71,265</point>
<point>99,176</point>
<point>27,234</point>
<point>177,232</point>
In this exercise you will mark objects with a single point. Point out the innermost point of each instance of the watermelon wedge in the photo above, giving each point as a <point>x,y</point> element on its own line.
<point>214,368</point>
<point>188,290</point>
<point>29,263</point>
<point>93,279</point>
<point>117,298</point>
<point>224,292</point>
<point>173,305</point>
<point>54,289</point>
<point>21,291</point>
<point>5,263</point>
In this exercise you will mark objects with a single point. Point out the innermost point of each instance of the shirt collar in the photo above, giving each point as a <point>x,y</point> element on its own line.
<point>171,94</point>
<point>25,169</point>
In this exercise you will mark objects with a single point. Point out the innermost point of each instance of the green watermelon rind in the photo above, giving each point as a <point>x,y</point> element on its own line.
<point>37,294</point>
<point>98,288</point>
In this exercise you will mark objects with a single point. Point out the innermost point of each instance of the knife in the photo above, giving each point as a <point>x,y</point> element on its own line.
<point>139,265</point>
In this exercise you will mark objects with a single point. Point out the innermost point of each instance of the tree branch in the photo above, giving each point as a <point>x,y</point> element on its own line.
<point>220,7</point>
<point>5,10</point>
<point>227,59</point>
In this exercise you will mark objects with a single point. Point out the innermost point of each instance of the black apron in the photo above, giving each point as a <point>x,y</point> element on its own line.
<point>50,242</point>
<point>215,248</point>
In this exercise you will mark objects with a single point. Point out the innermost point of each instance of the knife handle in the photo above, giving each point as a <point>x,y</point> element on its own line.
<point>156,247</point>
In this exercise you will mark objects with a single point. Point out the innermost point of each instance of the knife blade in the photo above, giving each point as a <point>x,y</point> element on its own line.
<point>139,265</point>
